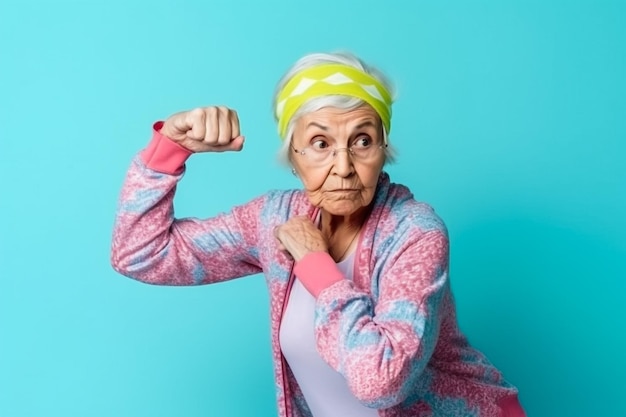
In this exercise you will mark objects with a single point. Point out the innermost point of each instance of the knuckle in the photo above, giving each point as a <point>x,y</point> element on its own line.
<point>198,112</point>
<point>195,118</point>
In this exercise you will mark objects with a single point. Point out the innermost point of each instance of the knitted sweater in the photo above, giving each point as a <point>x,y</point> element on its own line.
<point>391,332</point>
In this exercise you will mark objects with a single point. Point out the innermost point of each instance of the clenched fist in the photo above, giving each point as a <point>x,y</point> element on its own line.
<point>206,129</point>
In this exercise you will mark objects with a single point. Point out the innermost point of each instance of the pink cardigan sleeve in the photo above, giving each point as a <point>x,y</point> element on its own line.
<point>149,244</point>
<point>381,349</point>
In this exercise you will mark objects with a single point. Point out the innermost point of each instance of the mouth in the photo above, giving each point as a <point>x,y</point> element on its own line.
<point>343,190</point>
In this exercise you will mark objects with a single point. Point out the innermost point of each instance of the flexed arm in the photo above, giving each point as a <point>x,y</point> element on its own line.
<point>149,244</point>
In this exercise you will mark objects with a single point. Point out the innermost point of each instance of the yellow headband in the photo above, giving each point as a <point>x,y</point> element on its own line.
<point>331,79</point>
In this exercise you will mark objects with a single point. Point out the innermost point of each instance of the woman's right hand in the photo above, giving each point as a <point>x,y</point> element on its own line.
<point>205,129</point>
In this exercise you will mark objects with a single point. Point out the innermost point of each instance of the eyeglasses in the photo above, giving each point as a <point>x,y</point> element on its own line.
<point>321,153</point>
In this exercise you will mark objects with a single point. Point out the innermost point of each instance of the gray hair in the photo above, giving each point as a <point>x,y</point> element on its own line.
<point>337,101</point>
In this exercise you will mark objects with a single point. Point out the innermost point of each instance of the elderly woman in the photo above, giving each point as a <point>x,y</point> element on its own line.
<point>363,320</point>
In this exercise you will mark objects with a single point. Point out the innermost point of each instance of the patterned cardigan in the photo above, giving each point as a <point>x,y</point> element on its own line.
<point>391,332</point>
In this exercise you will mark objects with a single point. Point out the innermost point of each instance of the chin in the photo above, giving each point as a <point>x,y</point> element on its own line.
<point>341,209</point>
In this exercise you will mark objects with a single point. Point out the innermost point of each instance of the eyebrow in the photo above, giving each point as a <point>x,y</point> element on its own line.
<point>317,125</point>
<point>367,123</point>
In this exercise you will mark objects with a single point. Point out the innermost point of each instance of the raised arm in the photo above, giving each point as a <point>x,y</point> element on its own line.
<point>149,244</point>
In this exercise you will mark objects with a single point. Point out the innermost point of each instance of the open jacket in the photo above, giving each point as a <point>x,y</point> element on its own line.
<point>391,331</point>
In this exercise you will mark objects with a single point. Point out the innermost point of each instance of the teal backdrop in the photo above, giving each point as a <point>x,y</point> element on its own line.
<point>510,120</point>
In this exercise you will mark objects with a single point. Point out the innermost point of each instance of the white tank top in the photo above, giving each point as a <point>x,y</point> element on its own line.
<point>324,389</point>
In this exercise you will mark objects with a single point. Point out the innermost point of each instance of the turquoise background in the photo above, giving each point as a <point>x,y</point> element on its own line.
<point>510,120</point>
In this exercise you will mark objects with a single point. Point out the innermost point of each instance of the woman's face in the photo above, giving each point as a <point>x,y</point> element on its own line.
<point>345,183</point>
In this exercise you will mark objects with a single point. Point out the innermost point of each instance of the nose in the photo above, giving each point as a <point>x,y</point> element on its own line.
<point>342,162</point>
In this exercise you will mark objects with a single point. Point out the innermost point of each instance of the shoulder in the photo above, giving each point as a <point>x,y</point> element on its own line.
<point>411,215</point>
<point>279,204</point>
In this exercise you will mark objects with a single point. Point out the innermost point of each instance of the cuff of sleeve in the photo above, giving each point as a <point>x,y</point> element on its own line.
<point>317,271</point>
<point>163,154</point>
<point>511,407</point>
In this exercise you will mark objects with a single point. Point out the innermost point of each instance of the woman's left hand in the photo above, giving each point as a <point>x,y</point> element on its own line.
<point>299,236</point>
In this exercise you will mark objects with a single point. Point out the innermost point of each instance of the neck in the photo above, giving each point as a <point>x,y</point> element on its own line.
<point>331,224</point>
<point>341,231</point>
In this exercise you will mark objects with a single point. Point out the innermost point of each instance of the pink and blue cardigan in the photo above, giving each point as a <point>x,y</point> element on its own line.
<point>391,332</point>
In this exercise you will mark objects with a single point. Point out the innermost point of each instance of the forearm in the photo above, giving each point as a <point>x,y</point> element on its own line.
<point>379,355</point>
<point>382,347</point>
<point>143,246</point>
